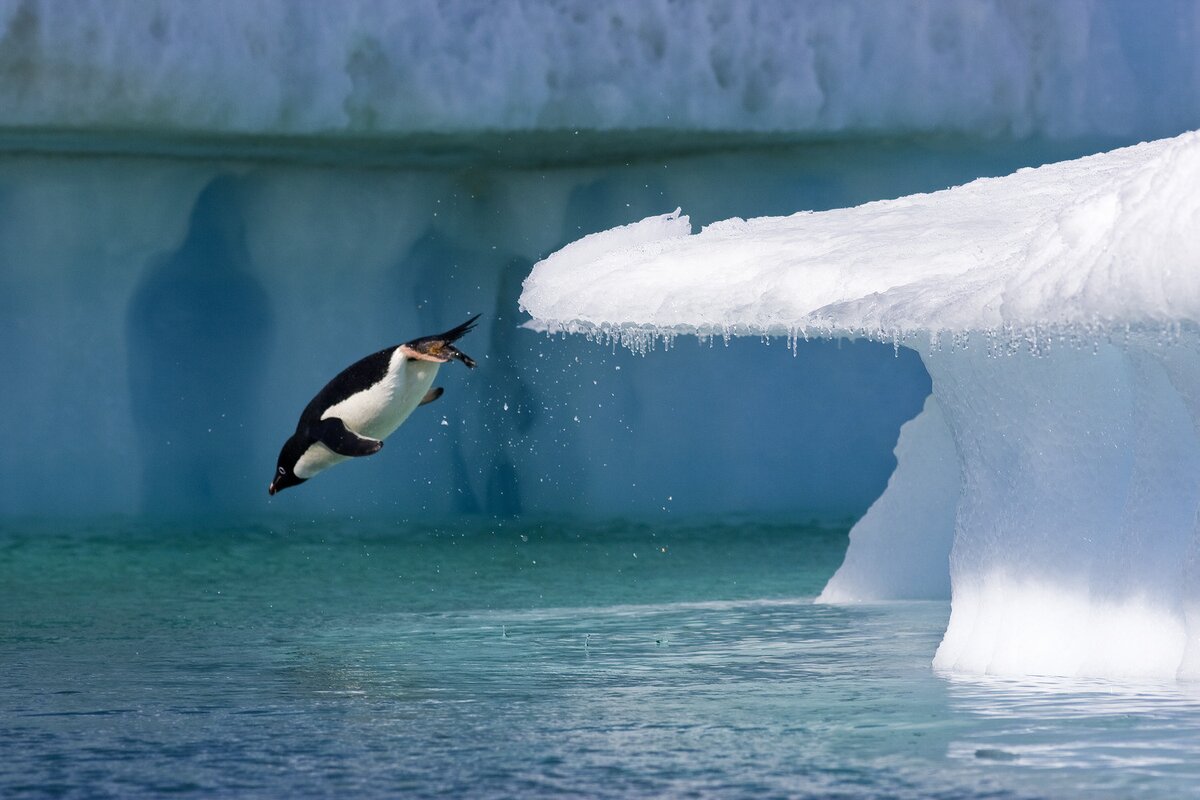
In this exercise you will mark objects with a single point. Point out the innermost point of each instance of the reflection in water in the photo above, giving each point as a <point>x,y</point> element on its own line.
<point>199,328</point>
<point>1078,723</point>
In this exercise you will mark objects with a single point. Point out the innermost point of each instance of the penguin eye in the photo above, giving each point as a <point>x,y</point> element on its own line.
<point>282,471</point>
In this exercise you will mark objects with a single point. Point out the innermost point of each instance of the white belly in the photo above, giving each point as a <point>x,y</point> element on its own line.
<point>375,412</point>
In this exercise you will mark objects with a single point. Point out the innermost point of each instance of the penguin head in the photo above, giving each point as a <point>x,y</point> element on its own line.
<point>284,478</point>
<point>285,469</point>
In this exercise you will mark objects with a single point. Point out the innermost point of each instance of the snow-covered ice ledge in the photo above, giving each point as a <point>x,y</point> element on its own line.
<point>1054,475</point>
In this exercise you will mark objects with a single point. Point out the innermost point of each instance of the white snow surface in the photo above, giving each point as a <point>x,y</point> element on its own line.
<point>1055,483</point>
<point>1109,239</point>
<point>990,67</point>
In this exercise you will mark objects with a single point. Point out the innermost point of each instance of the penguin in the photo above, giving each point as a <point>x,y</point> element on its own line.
<point>364,404</point>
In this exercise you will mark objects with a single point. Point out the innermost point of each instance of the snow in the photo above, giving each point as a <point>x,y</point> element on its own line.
<point>1058,313</point>
<point>983,67</point>
<point>1095,241</point>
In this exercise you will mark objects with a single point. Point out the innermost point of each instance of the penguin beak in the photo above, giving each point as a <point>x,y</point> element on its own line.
<point>281,482</point>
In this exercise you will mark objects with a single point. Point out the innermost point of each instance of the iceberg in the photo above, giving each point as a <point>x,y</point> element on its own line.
<point>256,191</point>
<point>1053,478</point>
<point>364,68</point>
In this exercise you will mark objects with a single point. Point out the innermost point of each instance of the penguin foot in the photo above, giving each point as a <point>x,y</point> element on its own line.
<point>440,347</point>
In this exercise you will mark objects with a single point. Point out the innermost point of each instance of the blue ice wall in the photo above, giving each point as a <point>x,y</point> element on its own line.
<point>165,321</point>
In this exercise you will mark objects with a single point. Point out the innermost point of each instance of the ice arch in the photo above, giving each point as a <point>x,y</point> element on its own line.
<point>1054,475</point>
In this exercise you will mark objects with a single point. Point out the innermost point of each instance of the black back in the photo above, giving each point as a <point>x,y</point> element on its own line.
<point>360,375</point>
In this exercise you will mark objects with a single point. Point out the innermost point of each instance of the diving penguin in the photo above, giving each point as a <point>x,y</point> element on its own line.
<point>368,400</point>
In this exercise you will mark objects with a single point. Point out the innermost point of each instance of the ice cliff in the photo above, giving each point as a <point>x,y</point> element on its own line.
<point>1054,475</point>
<point>1070,68</point>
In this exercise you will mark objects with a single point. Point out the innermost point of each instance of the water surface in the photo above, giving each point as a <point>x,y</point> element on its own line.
<point>339,657</point>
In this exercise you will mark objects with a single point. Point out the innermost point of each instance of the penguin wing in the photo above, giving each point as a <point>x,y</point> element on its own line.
<point>334,434</point>
<point>431,395</point>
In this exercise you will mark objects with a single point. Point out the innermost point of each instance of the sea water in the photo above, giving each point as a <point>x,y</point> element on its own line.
<point>337,657</point>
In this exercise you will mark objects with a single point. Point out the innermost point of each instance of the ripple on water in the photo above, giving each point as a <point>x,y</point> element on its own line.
<point>478,675</point>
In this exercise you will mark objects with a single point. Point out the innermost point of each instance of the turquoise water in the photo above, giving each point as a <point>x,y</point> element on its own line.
<point>351,658</point>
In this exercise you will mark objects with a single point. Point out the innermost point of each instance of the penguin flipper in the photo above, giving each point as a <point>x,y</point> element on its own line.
<point>334,434</point>
<point>431,395</point>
